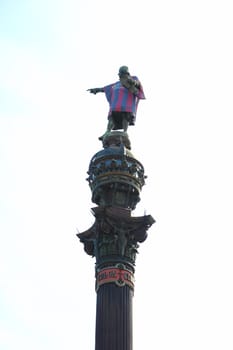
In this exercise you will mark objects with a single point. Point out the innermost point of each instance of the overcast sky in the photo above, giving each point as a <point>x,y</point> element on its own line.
<point>51,52</point>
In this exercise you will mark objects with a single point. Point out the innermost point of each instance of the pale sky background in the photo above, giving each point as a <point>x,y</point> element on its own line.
<point>50,53</point>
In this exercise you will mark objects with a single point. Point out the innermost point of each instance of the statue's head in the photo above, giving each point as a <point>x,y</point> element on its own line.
<point>124,70</point>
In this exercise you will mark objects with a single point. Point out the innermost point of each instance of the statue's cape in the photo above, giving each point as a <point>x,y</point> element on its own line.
<point>122,99</point>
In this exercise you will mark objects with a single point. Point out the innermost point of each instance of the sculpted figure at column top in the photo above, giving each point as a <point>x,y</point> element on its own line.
<point>123,97</point>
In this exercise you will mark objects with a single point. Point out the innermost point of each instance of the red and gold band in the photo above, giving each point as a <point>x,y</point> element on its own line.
<point>120,276</point>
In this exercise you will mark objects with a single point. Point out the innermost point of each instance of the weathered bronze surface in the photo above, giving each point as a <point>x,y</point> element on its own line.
<point>115,235</point>
<point>115,176</point>
<point>116,179</point>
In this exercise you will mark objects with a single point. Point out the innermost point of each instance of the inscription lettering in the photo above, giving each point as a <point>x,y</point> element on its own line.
<point>119,276</point>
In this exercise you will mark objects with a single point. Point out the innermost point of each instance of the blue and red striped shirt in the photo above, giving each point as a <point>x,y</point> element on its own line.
<point>120,99</point>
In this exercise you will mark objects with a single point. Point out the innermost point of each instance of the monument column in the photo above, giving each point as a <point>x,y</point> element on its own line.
<point>116,178</point>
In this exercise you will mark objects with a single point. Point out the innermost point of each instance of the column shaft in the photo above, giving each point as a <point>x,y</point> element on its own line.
<point>114,317</point>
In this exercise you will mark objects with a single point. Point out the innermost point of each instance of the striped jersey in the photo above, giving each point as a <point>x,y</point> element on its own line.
<point>120,99</point>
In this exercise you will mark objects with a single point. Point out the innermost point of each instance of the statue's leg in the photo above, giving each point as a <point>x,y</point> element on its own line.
<point>125,123</point>
<point>110,124</point>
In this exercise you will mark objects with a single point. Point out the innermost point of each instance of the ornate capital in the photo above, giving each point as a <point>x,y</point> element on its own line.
<point>115,235</point>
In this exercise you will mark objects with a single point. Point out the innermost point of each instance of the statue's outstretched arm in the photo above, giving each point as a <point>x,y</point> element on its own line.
<point>96,90</point>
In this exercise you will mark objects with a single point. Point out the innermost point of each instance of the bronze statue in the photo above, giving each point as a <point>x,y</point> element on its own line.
<point>123,98</point>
